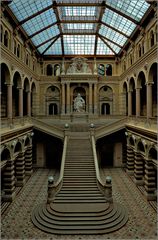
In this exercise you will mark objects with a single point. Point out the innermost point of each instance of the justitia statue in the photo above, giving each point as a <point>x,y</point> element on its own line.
<point>79,103</point>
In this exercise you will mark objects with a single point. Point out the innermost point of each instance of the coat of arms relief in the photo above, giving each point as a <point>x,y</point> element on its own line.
<point>79,66</point>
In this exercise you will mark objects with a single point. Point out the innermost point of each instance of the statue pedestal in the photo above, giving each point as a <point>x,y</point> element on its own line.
<point>79,117</point>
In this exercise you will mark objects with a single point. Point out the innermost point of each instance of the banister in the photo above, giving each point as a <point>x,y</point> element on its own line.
<point>105,188</point>
<point>54,188</point>
<point>58,132</point>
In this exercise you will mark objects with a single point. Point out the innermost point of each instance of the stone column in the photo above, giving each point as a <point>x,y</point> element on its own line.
<point>9,101</point>
<point>29,103</point>
<point>63,99</point>
<point>20,102</point>
<point>137,102</point>
<point>9,181</point>
<point>95,99</point>
<point>90,97</point>
<point>130,160</point>
<point>150,180</point>
<point>68,99</point>
<point>28,161</point>
<point>149,100</point>
<point>138,169</point>
<point>129,103</point>
<point>20,169</point>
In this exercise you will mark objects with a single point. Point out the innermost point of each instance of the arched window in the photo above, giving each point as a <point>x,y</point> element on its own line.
<point>6,38</point>
<point>49,70</point>
<point>108,70</point>
<point>1,33</point>
<point>101,69</point>
<point>139,50</point>
<point>151,38</point>
<point>18,51</point>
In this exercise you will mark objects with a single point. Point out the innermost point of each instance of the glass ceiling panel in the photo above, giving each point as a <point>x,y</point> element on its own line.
<point>102,48</point>
<point>114,47</point>
<point>44,46</point>
<point>39,22</point>
<point>25,8</point>
<point>78,44</point>
<point>112,35</point>
<point>117,21</point>
<point>72,26</point>
<point>133,8</point>
<point>43,36</point>
<point>55,49</point>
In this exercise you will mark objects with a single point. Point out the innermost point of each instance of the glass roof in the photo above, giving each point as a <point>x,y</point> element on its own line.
<point>71,27</point>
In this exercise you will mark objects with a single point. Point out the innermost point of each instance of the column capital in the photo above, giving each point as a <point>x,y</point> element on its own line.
<point>149,83</point>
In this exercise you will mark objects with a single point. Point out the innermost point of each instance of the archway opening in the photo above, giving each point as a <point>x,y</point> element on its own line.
<point>53,109</point>
<point>15,93</point>
<point>25,93</point>
<point>142,84</point>
<point>153,80</point>
<point>5,79</point>
<point>125,97</point>
<point>133,90</point>
<point>49,70</point>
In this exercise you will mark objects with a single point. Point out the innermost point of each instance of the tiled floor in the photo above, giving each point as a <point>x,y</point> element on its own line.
<point>16,222</point>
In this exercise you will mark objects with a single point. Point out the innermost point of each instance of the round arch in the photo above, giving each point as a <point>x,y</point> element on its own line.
<point>33,99</point>
<point>52,99</point>
<point>132,89</point>
<point>17,84</point>
<point>141,84</point>
<point>5,80</point>
<point>125,97</point>
<point>106,100</point>
<point>152,78</point>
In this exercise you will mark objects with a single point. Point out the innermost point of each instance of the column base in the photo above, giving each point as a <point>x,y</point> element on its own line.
<point>28,173</point>
<point>130,172</point>
<point>139,182</point>
<point>9,197</point>
<point>150,196</point>
<point>20,183</point>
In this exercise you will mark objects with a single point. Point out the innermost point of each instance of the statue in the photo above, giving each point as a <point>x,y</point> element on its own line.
<point>79,103</point>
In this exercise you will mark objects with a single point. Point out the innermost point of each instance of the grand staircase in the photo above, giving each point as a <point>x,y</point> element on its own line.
<point>79,207</point>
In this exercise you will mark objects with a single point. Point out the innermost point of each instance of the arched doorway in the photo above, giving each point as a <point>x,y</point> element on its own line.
<point>125,98</point>
<point>52,100</point>
<point>33,99</point>
<point>142,84</point>
<point>106,100</point>
<point>105,109</point>
<point>153,80</point>
<point>15,93</point>
<point>25,92</point>
<point>53,109</point>
<point>5,79</point>
<point>133,92</point>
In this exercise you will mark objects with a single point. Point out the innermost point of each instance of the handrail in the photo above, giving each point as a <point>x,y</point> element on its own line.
<point>55,130</point>
<point>54,188</point>
<point>99,131</point>
<point>105,188</point>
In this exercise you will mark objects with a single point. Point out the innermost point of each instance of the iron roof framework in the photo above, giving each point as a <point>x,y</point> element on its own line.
<point>83,27</point>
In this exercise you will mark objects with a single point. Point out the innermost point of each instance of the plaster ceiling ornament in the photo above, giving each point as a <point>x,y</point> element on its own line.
<point>79,66</point>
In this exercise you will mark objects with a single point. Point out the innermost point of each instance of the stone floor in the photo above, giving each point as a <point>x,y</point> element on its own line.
<point>16,222</point>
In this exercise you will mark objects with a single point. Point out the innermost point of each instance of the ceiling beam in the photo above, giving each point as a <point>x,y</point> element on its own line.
<point>108,45</point>
<point>102,10</point>
<point>115,29</point>
<point>59,24</point>
<point>50,45</point>
<point>79,21</point>
<point>48,40</point>
<point>79,4</point>
<point>101,36</point>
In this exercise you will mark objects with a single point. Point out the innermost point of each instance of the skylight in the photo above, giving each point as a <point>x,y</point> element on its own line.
<point>77,27</point>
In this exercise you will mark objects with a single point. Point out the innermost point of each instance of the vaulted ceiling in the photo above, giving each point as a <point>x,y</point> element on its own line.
<point>84,27</point>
